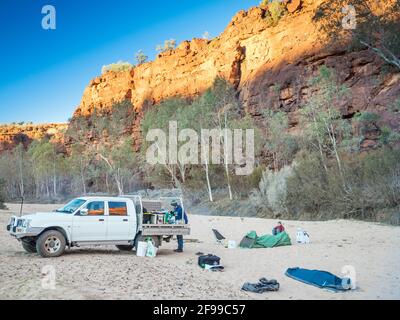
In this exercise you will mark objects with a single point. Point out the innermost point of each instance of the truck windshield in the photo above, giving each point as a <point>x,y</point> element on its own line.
<point>72,206</point>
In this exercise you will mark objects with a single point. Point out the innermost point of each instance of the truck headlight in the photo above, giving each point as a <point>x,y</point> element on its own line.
<point>26,223</point>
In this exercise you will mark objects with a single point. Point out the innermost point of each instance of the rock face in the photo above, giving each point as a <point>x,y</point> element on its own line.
<point>269,66</point>
<point>11,135</point>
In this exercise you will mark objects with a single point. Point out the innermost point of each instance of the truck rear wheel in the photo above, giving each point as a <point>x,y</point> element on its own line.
<point>29,247</point>
<point>125,247</point>
<point>154,239</point>
<point>51,244</point>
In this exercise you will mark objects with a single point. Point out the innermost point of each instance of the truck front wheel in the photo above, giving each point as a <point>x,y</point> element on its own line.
<point>29,247</point>
<point>51,244</point>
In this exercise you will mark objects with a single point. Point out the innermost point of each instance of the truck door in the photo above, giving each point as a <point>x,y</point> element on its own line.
<point>90,223</point>
<point>120,221</point>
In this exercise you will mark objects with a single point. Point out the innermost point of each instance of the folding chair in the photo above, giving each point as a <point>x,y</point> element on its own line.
<point>218,237</point>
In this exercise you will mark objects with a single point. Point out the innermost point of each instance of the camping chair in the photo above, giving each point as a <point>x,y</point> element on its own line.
<point>218,237</point>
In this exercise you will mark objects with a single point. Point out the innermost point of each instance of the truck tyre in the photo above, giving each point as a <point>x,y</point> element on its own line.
<point>51,244</point>
<point>154,239</point>
<point>125,247</point>
<point>29,247</point>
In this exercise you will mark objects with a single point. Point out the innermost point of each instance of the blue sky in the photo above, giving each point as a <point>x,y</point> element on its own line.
<point>44,72</point>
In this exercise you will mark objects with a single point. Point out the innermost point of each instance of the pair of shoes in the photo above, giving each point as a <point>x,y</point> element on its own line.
<point>178,250</point>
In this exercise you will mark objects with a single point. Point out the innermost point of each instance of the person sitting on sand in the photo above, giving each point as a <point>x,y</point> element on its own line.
<point>180,215</point>
<point>278,229</point>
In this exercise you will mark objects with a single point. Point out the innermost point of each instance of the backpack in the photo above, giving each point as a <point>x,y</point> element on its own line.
<point>209,259</point>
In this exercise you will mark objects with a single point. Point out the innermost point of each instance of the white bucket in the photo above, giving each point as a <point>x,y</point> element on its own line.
<point>231,244</point>
<point>302,236</point>
<point>141,249</point>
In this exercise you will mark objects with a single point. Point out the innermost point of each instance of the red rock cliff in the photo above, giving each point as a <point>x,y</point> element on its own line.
<point>257,59</point>
<point>11,135</point>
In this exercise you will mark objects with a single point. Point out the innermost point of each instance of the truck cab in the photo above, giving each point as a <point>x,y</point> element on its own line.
<point>83,221</point>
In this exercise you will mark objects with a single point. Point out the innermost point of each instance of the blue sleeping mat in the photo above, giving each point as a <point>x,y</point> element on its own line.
<point>320,279</point>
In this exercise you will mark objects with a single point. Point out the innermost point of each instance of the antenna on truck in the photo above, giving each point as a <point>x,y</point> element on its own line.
<point>22,205</point>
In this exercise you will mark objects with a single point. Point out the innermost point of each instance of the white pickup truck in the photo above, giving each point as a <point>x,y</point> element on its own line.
<point>115,221</point>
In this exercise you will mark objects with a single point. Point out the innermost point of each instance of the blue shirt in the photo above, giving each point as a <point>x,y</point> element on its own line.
<point>178,211</point>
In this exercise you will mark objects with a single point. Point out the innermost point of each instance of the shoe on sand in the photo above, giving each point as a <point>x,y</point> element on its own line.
<point>178,250</point>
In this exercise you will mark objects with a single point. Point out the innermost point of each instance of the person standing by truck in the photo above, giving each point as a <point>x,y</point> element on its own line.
<point>180,215</point>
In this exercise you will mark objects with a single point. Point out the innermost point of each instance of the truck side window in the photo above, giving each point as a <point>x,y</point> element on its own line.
<point>95,208</point>
<point>117,209</point>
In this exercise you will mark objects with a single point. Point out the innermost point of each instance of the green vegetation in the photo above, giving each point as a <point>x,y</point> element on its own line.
<point>217,108</point>
<point>279,143</point>
<point>276,9</point>
<point>372,185</point>
<point>117,67</point>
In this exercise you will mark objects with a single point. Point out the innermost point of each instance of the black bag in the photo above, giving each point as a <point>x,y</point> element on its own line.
<point>209,259</point>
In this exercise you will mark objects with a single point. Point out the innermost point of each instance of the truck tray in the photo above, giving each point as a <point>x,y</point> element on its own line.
<point>165,230</point>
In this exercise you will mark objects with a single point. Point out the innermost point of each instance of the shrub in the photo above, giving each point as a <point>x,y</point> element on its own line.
<point>366,122</point>
<point>242,184</point>
<point>372,183</point>
<point>388,136</point>
<point>276,9</point>
<point>117,67</point>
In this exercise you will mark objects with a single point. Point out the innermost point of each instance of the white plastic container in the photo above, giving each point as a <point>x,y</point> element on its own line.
<point>141,249</point>
<point>299,236</point>
<point>302,236</point>
<point>231,244</point>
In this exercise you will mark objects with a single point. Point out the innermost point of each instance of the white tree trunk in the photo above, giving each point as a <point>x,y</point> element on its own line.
<point>21,178</point>
<point>226,159</point>
<point>210,196</point>
<point>54,179</point>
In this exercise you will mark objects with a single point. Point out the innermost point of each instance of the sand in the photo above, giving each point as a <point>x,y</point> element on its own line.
<point>370,249</point>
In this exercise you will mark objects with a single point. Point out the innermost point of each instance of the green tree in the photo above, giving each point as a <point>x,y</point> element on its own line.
<point>159,117</point>
<point>45,161</point>
<point>219,108</point>
<point>282,145</point>
<point>324,125</point>
<point>9,174</point>
<point>79,163</point>
<point>116,147</point>
<point>20,155</point>
<point>82,150</point>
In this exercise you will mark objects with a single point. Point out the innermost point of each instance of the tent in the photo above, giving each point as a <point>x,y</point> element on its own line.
<point>251,240</point>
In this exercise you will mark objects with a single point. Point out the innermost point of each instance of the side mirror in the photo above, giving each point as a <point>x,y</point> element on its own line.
<point>84,212</point>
